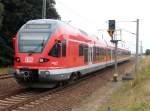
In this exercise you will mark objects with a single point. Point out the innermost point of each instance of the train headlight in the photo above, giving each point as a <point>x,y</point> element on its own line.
<point>41,60</point>
<point>17,71</point>
<point>47,72</point>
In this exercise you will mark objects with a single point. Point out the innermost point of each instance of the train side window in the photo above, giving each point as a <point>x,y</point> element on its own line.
<point>102,52</point>
<point>64,48</point>
<point>81,50</point>
<point>55,51</point>
<point>97,53</point>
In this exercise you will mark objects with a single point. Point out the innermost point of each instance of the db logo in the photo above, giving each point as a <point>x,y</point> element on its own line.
<point>29,59</point>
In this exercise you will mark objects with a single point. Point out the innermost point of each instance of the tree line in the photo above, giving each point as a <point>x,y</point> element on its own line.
<point>13,14</point>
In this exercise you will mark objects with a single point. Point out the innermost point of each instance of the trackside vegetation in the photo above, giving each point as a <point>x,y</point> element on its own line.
<point>132,95</point>
<point>6,70</point>
<point>13,14</point>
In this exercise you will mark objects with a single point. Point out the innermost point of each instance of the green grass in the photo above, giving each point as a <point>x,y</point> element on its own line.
<point>133,95</point>
<point>6,70</point>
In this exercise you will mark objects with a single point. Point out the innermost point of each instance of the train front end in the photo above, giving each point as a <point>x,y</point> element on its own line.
<point>32,60</point>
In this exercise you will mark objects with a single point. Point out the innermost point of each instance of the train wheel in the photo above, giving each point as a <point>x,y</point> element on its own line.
<point>73,77</point>
<point>78,75</point>
<point>62,83</point>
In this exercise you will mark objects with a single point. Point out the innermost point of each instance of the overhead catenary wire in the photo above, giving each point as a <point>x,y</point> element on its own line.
<point>85,20</point>
<point>71,10</point>
<point>75,13</point>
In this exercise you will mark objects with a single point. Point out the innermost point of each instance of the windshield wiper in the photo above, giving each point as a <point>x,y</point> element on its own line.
<point>30,51</point>
<point>42,44</point>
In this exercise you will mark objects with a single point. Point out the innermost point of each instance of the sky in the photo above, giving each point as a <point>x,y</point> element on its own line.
<point>93,15</point>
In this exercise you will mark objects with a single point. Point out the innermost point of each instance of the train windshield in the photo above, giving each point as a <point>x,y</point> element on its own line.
<point>31,42</point>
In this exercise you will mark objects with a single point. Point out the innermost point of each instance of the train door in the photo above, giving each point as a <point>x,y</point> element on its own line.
<point>111,54</point>
<point>85,54</point>
<point>90,55</point>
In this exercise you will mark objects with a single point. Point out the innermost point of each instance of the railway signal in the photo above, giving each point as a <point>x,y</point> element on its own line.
<point>111,28</point>
<point>112,25</point>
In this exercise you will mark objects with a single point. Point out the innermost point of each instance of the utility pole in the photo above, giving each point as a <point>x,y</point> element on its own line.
<point>137,45</point>
<point>141,49</point>
<point>44,10</point>
<point>116,62</point>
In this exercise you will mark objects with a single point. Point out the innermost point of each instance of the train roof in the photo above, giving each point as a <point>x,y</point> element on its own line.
<point>43,21</point>
<point>38,25</point>
<point>85,35</point>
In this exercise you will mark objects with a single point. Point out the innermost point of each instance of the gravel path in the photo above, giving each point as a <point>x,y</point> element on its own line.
<point>101,95</point>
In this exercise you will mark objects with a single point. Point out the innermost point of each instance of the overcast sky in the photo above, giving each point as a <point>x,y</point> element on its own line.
<point>92,15</point>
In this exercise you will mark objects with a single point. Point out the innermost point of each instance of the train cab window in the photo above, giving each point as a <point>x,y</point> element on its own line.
<point>64,48</point>
<point>55,51</point>
<point>81,47</point>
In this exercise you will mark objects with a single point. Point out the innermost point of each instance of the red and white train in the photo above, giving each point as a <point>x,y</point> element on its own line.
<point>50,51</point>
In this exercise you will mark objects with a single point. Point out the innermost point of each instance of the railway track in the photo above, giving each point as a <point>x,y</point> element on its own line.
<point>5,76</point>
<point>28,99</point>
<point>15,101</point>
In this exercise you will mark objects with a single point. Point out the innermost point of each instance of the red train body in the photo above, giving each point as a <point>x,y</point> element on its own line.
<point>49,51</point>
